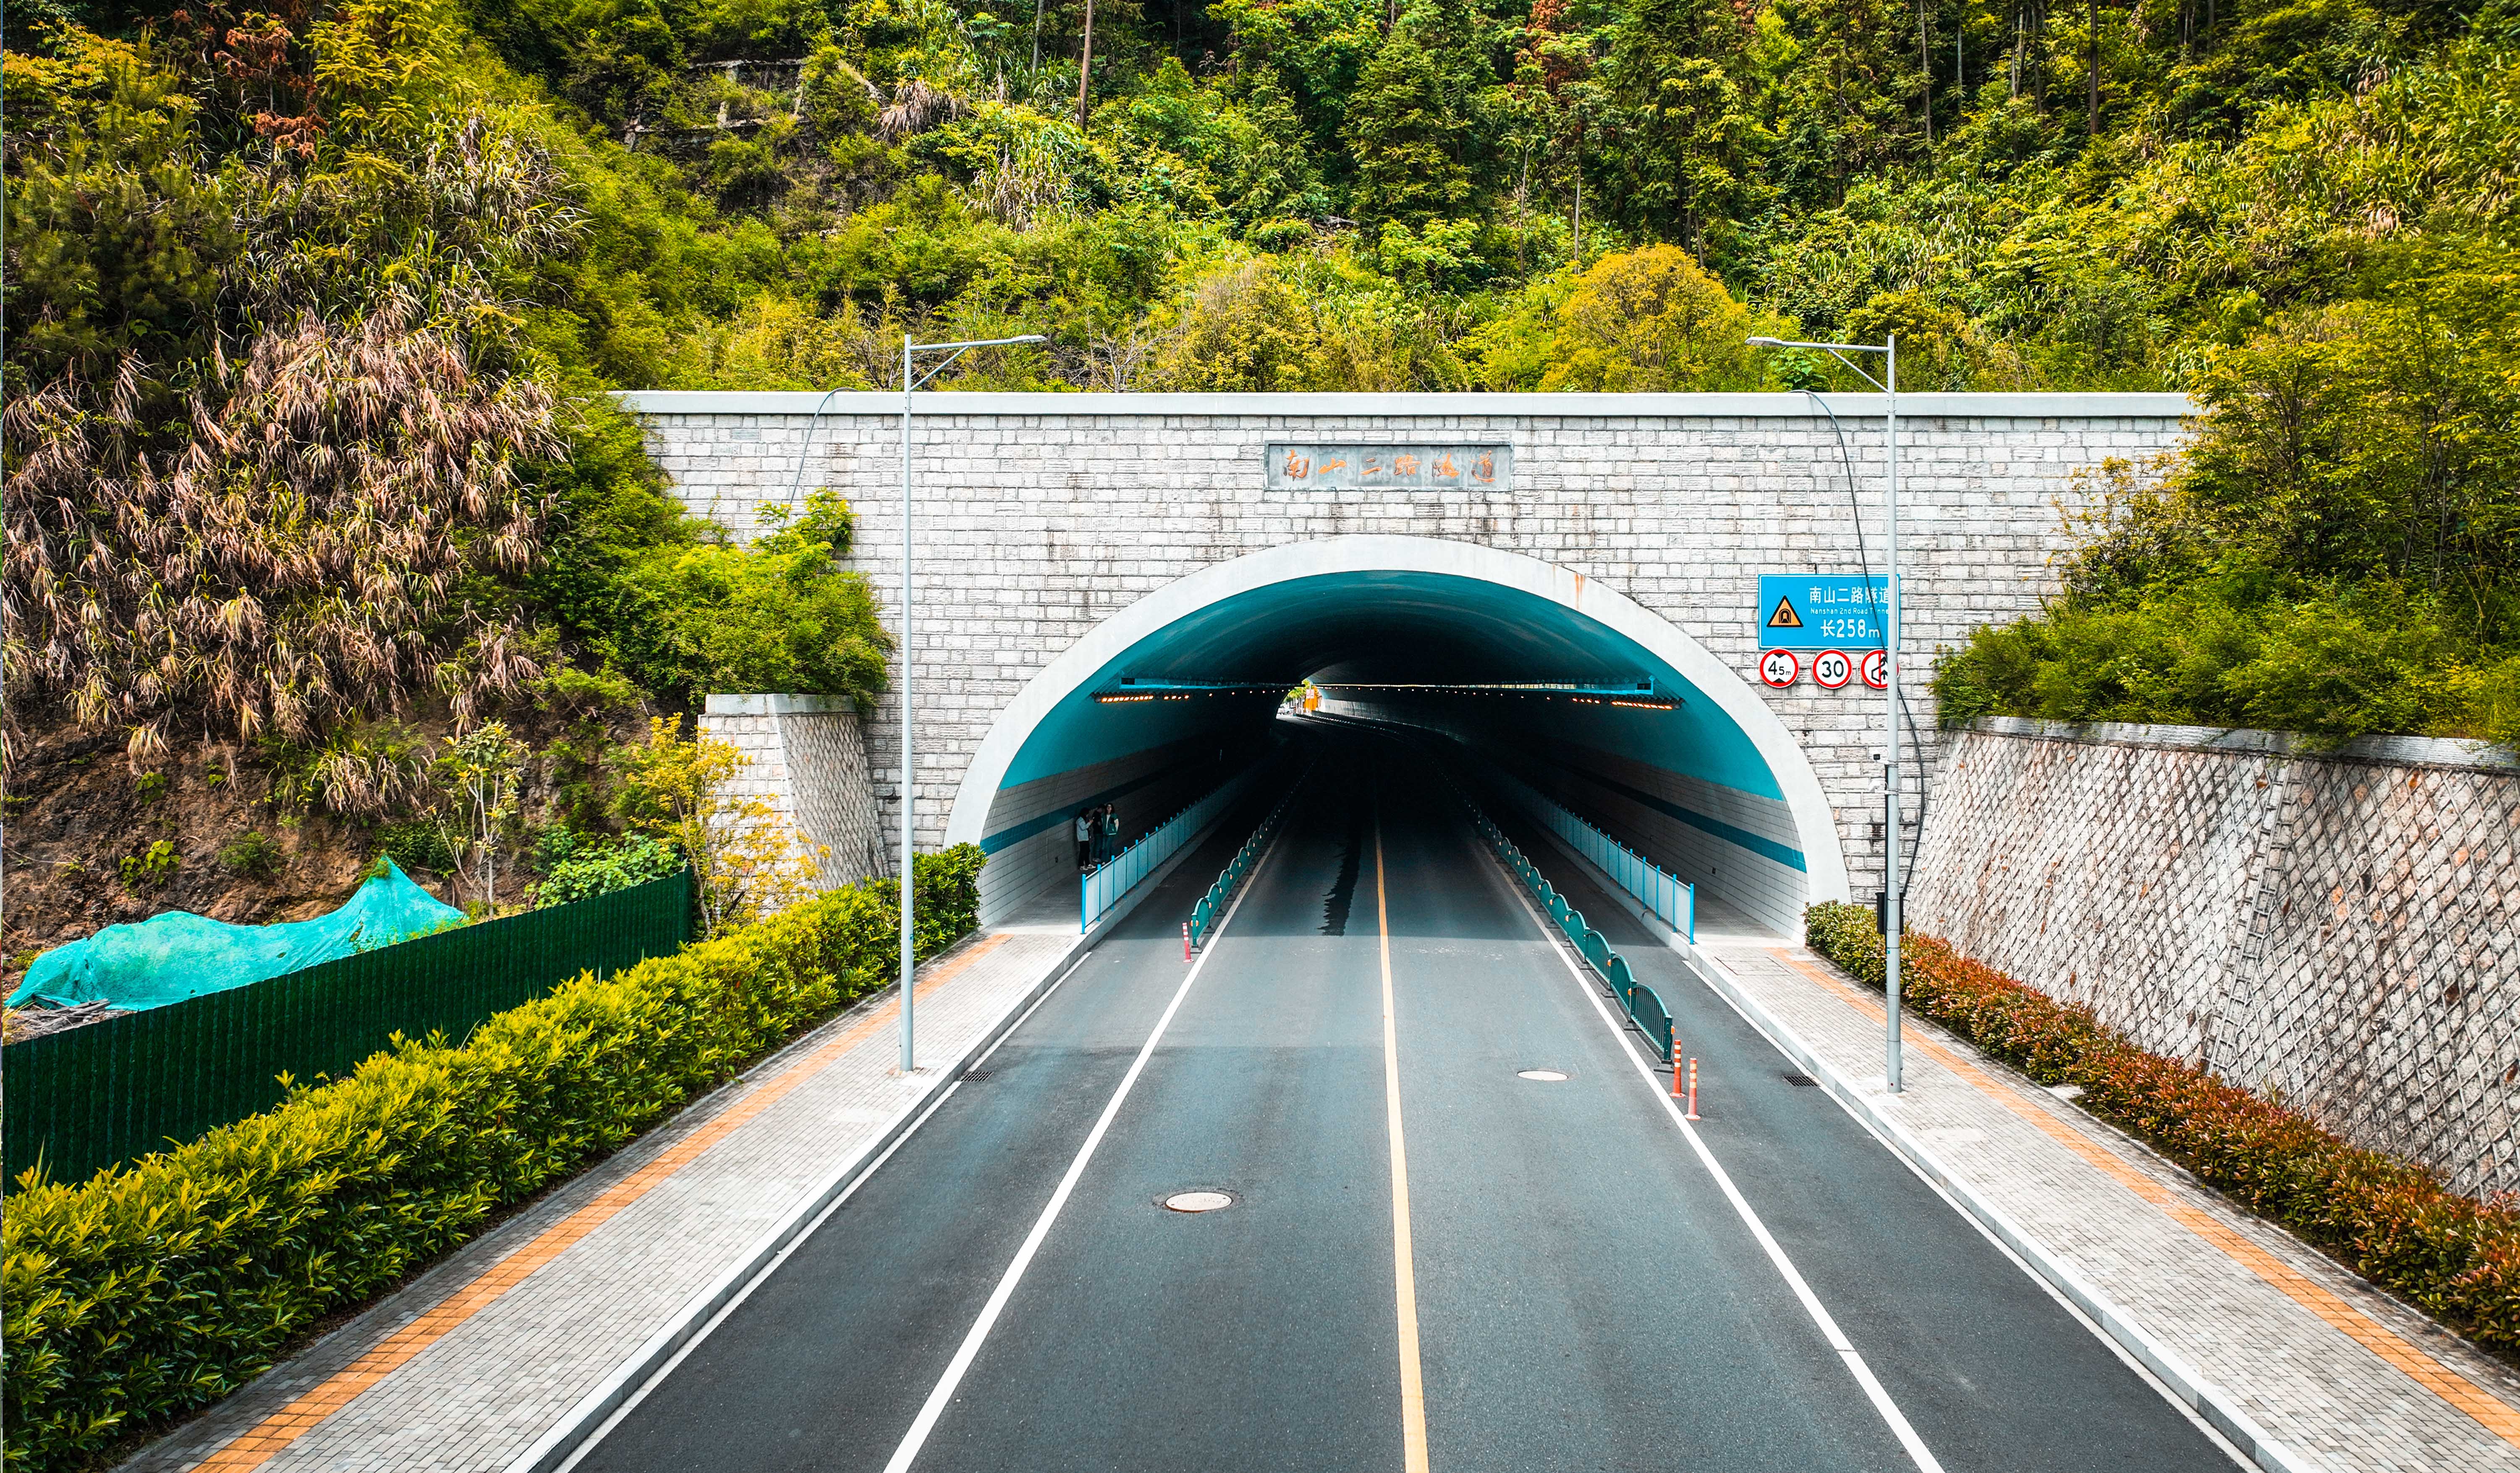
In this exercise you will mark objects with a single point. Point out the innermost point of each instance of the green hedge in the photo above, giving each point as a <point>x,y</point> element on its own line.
<point>2397,1223</point>
<point>156,1288</point>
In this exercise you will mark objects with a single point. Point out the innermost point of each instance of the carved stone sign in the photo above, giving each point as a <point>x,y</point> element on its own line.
<point>1487,467</point>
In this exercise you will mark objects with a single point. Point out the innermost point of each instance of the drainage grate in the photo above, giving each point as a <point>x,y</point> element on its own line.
<point>1800,1079</point>
<point>972,1076</point>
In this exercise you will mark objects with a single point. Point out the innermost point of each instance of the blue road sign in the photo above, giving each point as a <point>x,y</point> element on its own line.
<point>1821,611</point>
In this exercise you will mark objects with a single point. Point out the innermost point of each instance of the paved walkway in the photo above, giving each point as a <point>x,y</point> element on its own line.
<point>473,1365</point>
<point>2335,1373</point>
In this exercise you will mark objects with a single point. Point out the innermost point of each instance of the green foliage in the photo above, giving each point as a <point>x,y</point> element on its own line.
<point>155,1288</point>
<point>779,616</point>
<point>150,867</point>
<point>251,855</point>
<point>2392,1223</point>
<point>2339,552</point>
<point>415,844</point>
<point>578,867</point>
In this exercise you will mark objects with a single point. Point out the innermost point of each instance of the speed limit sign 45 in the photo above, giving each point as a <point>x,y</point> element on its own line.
<point>1876,669</point>
<point>1780,667</point>
<point>1831,668</point>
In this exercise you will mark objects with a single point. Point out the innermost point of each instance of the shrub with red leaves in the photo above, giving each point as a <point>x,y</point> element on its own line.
<point>2392,1222</point>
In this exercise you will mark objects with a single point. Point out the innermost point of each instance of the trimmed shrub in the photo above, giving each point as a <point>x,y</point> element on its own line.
<point>2394,1222</point>
<point>159,1287</point>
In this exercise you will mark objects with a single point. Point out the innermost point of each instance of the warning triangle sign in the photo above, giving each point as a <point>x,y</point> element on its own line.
<point>1784,618</point>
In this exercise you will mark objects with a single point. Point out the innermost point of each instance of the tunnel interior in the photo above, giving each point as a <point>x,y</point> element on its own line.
<point>1577,709</point>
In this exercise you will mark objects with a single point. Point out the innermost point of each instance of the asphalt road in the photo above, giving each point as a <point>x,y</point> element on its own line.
<point>1518,1275</point>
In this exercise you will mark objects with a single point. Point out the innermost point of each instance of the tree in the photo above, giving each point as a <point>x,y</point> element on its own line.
<point>1413,124</point>
<point>1651,321</point>
<point>1687,138</point>
<point>746,860</point>
<point>478,778</point>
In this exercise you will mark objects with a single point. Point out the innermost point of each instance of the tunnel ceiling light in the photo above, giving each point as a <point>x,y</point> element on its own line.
<point>1637,695</point>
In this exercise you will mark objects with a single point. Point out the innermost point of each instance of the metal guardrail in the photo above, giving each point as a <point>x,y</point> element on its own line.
<point>1665,895</point>
<point>1102,887</point>
<point>1211,906</point>
<point>1642,1003</point>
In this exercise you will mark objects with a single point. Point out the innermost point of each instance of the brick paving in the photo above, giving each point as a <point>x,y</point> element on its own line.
<point>2339,1374</point>
<point>473,1362</point>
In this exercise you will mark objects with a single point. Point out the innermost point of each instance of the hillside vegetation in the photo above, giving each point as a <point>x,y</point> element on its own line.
<point>310,311</point>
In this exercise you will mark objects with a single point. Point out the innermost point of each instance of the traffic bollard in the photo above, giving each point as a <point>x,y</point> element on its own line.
<point>1675,1069</point>
<point>1184,941</point>
<point>1693,1090</point>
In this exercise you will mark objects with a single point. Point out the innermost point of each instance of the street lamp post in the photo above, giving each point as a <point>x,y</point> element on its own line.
<point>909,793</point>
<point>1888,383</point>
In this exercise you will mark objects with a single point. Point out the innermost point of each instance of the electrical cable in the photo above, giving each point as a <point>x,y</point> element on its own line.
<point>1864,560</point>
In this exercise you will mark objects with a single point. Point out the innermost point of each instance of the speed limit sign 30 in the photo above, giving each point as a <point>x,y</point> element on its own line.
<point>1831,668</point>
<point>1780,667</point>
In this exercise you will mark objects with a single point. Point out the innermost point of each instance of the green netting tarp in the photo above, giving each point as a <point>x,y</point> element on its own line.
<point>167,958</point>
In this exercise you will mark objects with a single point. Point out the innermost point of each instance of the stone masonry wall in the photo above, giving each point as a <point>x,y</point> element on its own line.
<point>2340,929</point>
<point>1041,515</point>
<point>807,759</point>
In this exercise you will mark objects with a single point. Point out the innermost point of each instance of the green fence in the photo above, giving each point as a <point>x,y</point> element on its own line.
<point>97,1096</point>
<point>1642,1003</point>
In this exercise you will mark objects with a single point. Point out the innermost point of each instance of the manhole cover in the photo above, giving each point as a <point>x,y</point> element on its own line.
<point>1544,1076</point>
<point>1197,1201</point>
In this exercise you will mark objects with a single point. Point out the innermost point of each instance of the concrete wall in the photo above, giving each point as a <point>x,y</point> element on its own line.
<point>1146,787</point>
<point>806,757</point>
<point>1042,516</point>
<point>2341,928</point>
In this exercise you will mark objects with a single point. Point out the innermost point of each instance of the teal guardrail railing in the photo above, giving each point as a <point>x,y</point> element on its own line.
<point>1102,887</point>
<point>1211,906</point>
<point>1642,1003</point>
<point>1664,894</point>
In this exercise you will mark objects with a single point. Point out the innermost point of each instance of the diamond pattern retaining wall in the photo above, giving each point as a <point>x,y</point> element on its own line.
<point>2342,929</point>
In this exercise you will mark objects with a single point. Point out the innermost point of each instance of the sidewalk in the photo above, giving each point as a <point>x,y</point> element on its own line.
<point>2332,1373</point>
<point>485,1361</point>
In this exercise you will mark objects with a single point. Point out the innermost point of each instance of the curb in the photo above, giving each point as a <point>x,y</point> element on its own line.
<point>564,1438</point>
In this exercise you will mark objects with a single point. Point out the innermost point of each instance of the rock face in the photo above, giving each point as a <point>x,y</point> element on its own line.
<point>2338,927</point>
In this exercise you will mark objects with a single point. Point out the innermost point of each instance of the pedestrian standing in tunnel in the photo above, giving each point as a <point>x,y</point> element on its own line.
<point>1110,830</point>
<point>1085,834</point>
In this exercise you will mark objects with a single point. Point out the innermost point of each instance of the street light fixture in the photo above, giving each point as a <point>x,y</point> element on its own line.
<point>1888,383</point>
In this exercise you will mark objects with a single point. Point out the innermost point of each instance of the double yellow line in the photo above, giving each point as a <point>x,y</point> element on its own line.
<point>1412,1380</point>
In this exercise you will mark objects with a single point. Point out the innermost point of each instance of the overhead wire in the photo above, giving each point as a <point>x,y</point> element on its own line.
<point>1864,560</point>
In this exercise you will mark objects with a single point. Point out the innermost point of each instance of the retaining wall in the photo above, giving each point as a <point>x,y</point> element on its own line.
<point>2341,928</point>
<point>808,762</point>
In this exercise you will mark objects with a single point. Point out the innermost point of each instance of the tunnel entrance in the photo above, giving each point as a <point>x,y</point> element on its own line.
<point>1575,687</point>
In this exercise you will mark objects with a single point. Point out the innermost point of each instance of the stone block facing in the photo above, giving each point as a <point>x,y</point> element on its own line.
<point>806,759</point>
<point>2339,927</point>
<point>1040,515</point>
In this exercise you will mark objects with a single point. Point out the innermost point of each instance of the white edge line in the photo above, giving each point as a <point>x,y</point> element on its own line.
<point>2217,1406</point>
<point>596,1414</point>
<point>1897,1421</point>
<point>943,1394</point>
<point>2174,1375</point>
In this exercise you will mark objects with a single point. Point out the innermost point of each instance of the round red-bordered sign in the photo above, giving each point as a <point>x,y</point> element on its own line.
<point>1875,669</point>
<point>1831,668</point>
<point>1780,667</point>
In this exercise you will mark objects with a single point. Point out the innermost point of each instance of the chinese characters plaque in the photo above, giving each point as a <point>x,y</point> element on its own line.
<point>1407,468</point>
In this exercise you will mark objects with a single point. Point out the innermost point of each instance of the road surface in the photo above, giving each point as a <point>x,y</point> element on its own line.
<point>1503,1274</point>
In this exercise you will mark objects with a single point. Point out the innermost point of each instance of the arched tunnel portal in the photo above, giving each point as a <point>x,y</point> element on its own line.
<point>1573,685</point>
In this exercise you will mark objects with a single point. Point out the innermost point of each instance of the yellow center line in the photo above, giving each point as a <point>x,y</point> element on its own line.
<point>2490,1411</point>
<point>274,1434</point>
<point>1412,1381</point>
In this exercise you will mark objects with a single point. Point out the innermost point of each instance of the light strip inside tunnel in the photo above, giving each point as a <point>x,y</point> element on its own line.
<point>1640,695</point>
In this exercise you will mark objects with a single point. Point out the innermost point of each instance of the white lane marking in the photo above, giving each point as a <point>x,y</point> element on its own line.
<point>938,1398</point>
<point>656,1378</point>
<point>1917,1452</point>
